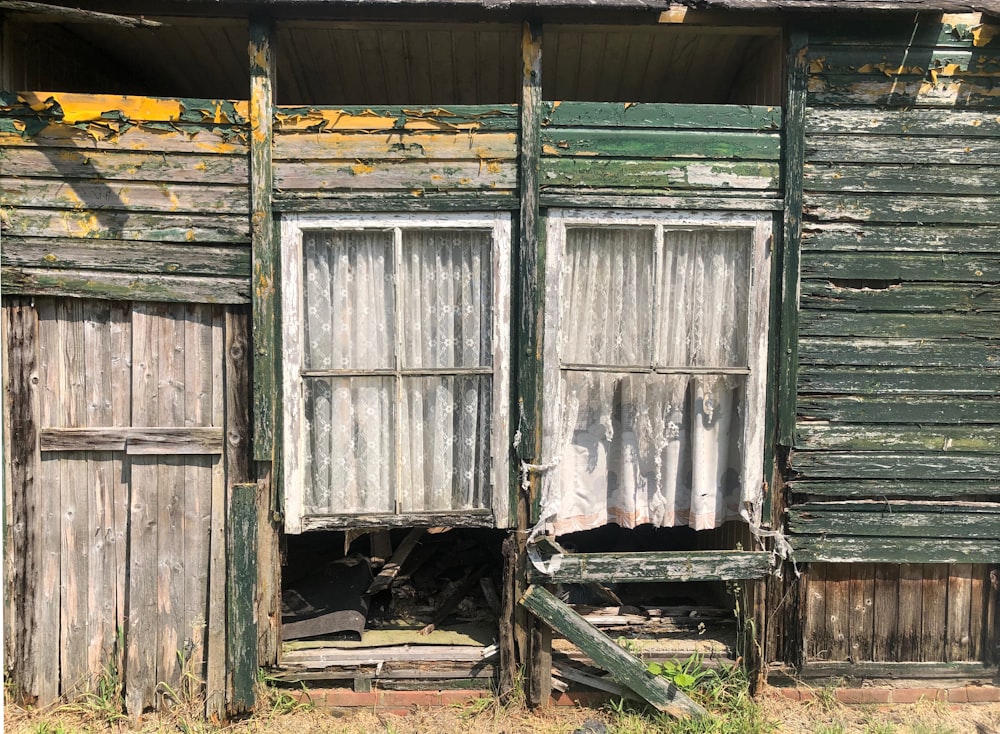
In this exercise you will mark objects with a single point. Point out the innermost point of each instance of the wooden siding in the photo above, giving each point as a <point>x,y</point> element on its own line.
<point>357,159</point>
<point>657,155</point>
<point>118,559</point>
<point>896,463</point>
<point>124,197</point>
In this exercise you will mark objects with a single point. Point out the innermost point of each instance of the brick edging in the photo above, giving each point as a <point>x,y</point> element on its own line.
<point>958,694</point>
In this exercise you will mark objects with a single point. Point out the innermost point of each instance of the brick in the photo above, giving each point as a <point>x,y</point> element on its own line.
<point>958,695</point>
<point>863,695</point>
<point>410,698</point>
<point>346,697</point>
<point>452,698</point>
<point>983,694</point>
<point>793,694</point>
<point>913,695</point>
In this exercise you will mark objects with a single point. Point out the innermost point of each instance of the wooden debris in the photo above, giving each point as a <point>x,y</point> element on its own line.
<point>391,569</point>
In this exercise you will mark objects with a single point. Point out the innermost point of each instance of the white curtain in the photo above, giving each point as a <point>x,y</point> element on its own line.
<point>375,442</point>
<point>642,446</point>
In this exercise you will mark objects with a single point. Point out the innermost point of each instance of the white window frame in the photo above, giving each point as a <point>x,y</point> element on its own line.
<point>761,226</point>
<point>292,324</point>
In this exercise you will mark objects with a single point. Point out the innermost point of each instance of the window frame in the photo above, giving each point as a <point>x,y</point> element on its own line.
<point>761,227</point>
<point>294,428</point>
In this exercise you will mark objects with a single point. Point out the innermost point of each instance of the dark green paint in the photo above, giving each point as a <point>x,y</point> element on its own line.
<point>913,351</point>
<point>896,325</point>
<point>630,174</point>
<point>651,115</point>
<point>889,294</point>
<point>974,437</point>
<point>893,488</point>
<point>899,409</point>
<point>901,178</point>
<point>925,209</point>
<point>886,238</point>
<point>661,144</point>
<point>879,465</point>
<point>486,117</point>
<point>884,519</point>
<point>906,380</point>
<point>811,549</point>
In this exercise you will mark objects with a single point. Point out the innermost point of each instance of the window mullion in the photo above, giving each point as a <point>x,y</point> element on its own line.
<point>397,249</point>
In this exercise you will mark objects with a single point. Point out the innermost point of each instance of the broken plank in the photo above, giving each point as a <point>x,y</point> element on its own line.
<point>153,440</point>
<point>592,681</point>
<point>623,667</point>
<point>659,567</point>
<point>391,569</point>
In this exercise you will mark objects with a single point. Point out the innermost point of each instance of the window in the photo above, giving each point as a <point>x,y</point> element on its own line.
<point>655,337</point>
<point>395,368</point>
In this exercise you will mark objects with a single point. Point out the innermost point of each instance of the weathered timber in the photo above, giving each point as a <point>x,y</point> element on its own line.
<point>896,325</point>
<point>393,175</point>
<point>929,30</point>
<point>934,611</point>
<point>651,115</point>
<point>895,209</point>
<point>133,257</point>
<point>124,286</point>
<point>453,118</point>
<point>241,634</point>
<point>890,294</point>
<point>925,438</point>
<point>944,124</point>
<point>596,682</point>
<point>153,440</point>
<point>101,196</point>
<point>904,91</point>
<point>941,465</point>
<point>868,237</point>
<point>660,144</point>
<point>888,519</point>
<point>463,518</point>
<point>972,267</point>
<point>264,246</point>
<point>813,549</point>
<point>879,60</point>
<point>623,667</point>
<point>884,151</point>
<point>126,225</point>
<point>913,351</point>
<point>885,622</point>
<point>450,604</point>
<point>657,567</point>
<point>883,381</point>
<point>900,178</point>
<point>146,138</point>
<point>668,174</point>
<point>396,146</point>
<point>865,670</point>
<point>959,621</point>
<point>654,199</point>
<point>848,488</point>
<point>78,15</point>
<point>113,165</point>
<point>861,607</point>
<point>391,569</point>
<point>421,200</point>
<point>915,409</point>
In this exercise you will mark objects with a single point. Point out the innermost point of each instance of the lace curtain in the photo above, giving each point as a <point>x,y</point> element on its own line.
<point>403,423</point>
<point>648,433</point>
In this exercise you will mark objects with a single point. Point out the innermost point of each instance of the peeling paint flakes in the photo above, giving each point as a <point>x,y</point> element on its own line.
<point>360,169</point>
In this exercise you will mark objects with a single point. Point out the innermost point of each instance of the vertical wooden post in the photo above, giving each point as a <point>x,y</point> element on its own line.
<point>241,638</point>
<point>264,249</point>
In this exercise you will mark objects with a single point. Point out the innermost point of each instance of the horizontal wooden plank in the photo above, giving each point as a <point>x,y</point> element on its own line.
<point>911,149</point>
<point>890,521</point>
<point>908,178</point>
<point>131,257</point>
<point>124,286</point>
<point>914,352</point>
<point>71,108</point>
<point>881,381</point>
<point>970,268</point>
<point>157,227</point>
<point>878,465</point>
<point>922,209</point>
<point>661,144</point>
<point>888,488</point>
<point>864,670</point>
<point>895,238</point>
<point>383,201</point>
<point>663,116</point>
<point>904,60</point>
<point>813,548</point>
<point>395,146</point>
<point>656,567</point>
<point>940,123</point>
<point>893,295</point>
<point>896,325</point>
<point>168,138</point>
<point>402,175</point>
<point>161,440</point>
<point>705,175</point>
<point>849,89</point>
<point>814,435</point>
<point>914,409</point>
<point>113,165</point>
<point>655,199</point>
<point>460,519</point>
<point>135,196</point>
<point>453,118</point>
<point>929,30</point>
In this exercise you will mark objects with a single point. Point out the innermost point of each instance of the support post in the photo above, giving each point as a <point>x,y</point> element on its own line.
<point>241,638</point>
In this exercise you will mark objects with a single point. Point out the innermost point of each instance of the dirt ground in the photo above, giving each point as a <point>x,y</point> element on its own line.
<point>818,716</point>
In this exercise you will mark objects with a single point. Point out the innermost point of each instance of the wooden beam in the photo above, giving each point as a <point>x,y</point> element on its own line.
<point>391,569</point>
<point>894,670</point>
<point>657,567</point>
<point>241,639</point>
<point>158,440</point>
<point>63,14</point>
<point>263,238</point>
<point>623,667</point>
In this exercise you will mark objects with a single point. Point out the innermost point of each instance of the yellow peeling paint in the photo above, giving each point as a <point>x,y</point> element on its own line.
<point>493,167</point>
<point>79,108</point>
<point>983,34</point>
<point>816,66</point>
<point>360,169</point>
<point>189,235</point>
<point>50,258</point>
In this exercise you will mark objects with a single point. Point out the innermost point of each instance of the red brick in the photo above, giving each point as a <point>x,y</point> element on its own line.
<point>863,695</point>
<point>410,698</point>
<point>346,697</point>
<point>913,695</point>
<point>983,694</point>
<point>793,694</point>
<point>450,698</point>
<point>958,695</point>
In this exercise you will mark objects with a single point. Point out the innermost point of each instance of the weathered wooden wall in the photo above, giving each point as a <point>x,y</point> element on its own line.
<point>116,495</point>
<point>896,457</point>
<point>124,197</point>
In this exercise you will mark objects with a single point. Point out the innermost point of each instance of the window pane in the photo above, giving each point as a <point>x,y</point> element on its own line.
<point>445,439</point>
<point>349,300</point>
<point>607,296</point>
<point>704,278</point>
<point>447,298</point>
<point>349,456</point>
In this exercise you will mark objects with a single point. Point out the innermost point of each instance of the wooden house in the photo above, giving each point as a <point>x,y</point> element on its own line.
<point>533,308</point>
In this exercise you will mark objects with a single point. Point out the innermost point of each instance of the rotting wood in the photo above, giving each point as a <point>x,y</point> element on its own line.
<point>898,149</point>
<point>887,208</point>
<point>889,437</point>
<point>884,381</point>
<point>904,670</point>
<point>884,238</point>
<point>980,268</point>
<point>896,325</point>
<point>623,667</point>
<point>941,466</point>
<point>756,118</point>
<point>124,286</point>
<point>958,622</point>
<point>813,548</point>
<point>893,296</point>
<point>463,518</point>
<point>391,569</point>
<point>455,598</point>
<point>955,351</point>
<point>593,681</point>
<point>153,440</point>
<point>903,91</point>
<point>113,165</point>
<point>847,488</point>
<point>453,118</point>
<point>148,138</point>
<point>944,123</point>
<point>241,634</point>
<point>659,567</point>
<point>127,225</point>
